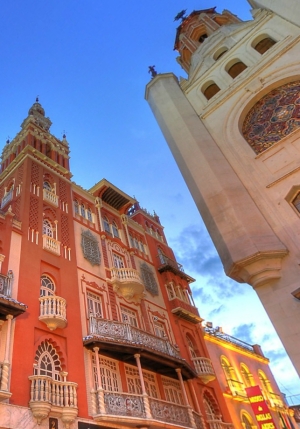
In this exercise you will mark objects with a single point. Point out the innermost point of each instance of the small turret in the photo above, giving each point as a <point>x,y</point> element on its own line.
<point>195,28</point>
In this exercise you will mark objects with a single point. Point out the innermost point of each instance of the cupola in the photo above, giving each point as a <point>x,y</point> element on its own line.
<point>195,29</point>
<point>36,114</point>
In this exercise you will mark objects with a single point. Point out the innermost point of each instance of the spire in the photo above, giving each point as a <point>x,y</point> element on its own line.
<point>36,114</point>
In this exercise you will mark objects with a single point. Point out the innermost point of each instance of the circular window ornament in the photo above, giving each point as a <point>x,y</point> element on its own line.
<point>273,117</point>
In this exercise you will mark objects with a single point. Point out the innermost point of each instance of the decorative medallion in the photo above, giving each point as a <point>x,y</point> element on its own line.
<point>273,117</point>
<point>90,247</point>
<point>149,279</point>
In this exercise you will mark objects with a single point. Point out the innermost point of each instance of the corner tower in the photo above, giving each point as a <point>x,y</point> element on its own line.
<point>233,128</point>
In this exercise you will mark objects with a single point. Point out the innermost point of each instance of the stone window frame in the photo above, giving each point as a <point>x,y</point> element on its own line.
<point>292,195</point>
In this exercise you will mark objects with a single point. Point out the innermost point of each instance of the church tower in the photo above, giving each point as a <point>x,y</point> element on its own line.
<point>233,128</point>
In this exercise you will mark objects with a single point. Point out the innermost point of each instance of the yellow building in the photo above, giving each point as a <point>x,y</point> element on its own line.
<point>239,365</point>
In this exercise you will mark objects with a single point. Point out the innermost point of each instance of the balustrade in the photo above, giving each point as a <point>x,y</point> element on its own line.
<point>8,197</point>
<point>129,334</point>
<point>53,311</point>
<point>132,405</point>
<point>237,388</point>
<point>50,244</point>
<point>124,404</point>
<point>57,393</point>
<point>204,369</point>
<point>50,197</point>
<point>198,419</point>
<point>127,282</point>
<point>5,285</point>
<point>169,412</point>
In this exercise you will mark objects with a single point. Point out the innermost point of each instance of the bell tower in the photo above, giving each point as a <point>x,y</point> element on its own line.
<point>233,128</point>
<point>36,193</point>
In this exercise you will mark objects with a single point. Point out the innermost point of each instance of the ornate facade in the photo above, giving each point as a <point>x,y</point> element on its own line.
<point>233,128</point>
<point>98,324</point>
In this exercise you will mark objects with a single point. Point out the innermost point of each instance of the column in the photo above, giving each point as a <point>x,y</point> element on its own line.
<point>100,392</point>
<point>186,401</point>
<point>6,363</point>
<point>144,393</point>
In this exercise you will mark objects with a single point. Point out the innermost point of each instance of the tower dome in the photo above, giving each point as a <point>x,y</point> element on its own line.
<point>197,27</point>
<point>37,114</point>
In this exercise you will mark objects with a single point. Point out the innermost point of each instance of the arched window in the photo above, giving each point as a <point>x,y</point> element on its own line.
<point>265,383</point>
<point>170,291</point>
<point>106,225</point>
<point>264,45</point>
<point>236,69</point>
<point>76,207</point>
<point>82,210</point>
<point>47,186</point>
<point>115,229</point>
<point>211,90</point>
<point>47,286</point>
<point>47,228</point>
<point>191,347</point>
<point>247,376</point>
<point>220,52</point>
<point>211,409</point>
<point>47,362</point>
<point>161,256</point>
<point>247,422</point>
<point>236,386</point>
<point>89,215</point>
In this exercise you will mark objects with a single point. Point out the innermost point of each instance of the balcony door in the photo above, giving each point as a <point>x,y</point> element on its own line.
<point>94,305</point>
<point>129,316</point>
<point>118,261</point>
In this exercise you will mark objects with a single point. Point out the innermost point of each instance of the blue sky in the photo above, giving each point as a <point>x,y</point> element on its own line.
<point>88,63</point>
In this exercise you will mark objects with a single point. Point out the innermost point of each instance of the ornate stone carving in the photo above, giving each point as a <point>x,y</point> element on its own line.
<point>90,247</point>
<point>149,279</point>
<point>273,117</point>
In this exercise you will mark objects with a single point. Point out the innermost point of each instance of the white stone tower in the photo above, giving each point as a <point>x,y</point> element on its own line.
<point>233,127</point>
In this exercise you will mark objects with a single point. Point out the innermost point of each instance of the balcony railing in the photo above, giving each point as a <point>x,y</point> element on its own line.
<point>237,389</point>
<point>130,405</point>
<point>51,244</point>
<point>204,369</point>
<point>199,421</point>
<point>8,197</point>
<point>185,310</point>
<point>218,424</point>
<point>50,197</point>
<point>127,282</point>
<point>5,285</point>
<point>47,394</point>
<point>275,400</point>
<point>167,264</point>
<point>124,404</point>
<point>4,376</point>
<point>125,333</point>
<point>169,412</point>
<point>53,311</point>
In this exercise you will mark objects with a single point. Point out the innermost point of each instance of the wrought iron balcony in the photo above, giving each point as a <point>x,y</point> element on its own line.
<point>127,282</point>
<point>167,264</point>
<point>204,369</point>
<point>53,311</point>
<point>51,244</point>
<point>132,406</point>
<point>50,197</point>
<point>48,395</point>
<point>8,305</point>
<point>126,340</point>
<point>7,197</point>
<point>185,310</point>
